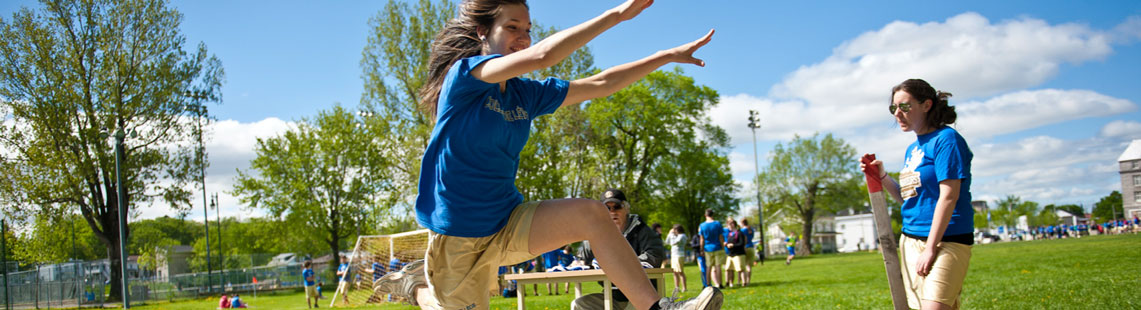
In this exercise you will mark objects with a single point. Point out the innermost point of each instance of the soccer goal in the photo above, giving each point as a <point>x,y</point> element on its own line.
<point>374,256</point>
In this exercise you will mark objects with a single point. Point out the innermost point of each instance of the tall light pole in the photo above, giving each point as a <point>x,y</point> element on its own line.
<point>200,111</point>
<point>126,292</point>
<point>754,124</point>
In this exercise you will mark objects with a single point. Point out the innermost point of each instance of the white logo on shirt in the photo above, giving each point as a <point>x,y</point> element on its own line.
<point>909,178</point>
<point>510,116</point>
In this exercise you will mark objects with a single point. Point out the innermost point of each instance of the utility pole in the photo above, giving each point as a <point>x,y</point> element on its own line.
<point>221,251</point>
<point>754,124</point>
<point>123,258</point>
<point>200,111</point>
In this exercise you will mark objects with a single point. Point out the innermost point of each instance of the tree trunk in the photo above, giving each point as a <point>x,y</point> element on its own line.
<point>808,216</point>
<point>111,237</point>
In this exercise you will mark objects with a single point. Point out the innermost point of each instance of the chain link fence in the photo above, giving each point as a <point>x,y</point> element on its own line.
<point>86,284</point>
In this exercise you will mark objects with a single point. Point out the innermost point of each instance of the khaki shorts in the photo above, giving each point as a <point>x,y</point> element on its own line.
<point>311,292</point>
<point>675,263</point>
<point>461,270</point>
<point>735,263</point>
<point>715,258</point>
<point>749,253</point>
<point>944,283</point>
<point>343,287</point>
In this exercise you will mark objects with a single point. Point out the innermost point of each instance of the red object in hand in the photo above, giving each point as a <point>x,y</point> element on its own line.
<point>872,173</point>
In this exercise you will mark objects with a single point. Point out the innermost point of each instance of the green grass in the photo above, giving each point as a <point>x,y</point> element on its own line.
<point>1098,272</point>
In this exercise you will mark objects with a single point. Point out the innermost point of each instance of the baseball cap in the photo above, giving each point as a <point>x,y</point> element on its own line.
<point>613,195</point>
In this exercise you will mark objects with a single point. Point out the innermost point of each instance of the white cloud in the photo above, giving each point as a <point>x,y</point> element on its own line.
<point>1129,30</point>
<point>230,147</point>
<point>1022,110</point>
<point>966,55</point>
<point>1122,129</point>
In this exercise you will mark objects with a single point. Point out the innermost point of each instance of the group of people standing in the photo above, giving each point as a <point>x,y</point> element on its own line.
<point>729,245</point>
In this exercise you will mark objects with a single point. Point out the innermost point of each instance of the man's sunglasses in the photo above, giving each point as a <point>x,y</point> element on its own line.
<point>905,107</point>
<point>617,206</point>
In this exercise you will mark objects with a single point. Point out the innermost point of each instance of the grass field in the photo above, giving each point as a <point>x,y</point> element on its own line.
<point>1098,272</point>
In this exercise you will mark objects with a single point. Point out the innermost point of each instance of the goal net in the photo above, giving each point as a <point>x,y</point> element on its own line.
<point>374,256</point>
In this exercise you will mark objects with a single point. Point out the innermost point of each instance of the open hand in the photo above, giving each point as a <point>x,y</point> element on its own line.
<point>632,8</point>
<point>684,52</point>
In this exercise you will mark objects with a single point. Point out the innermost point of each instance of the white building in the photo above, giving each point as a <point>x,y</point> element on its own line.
<point>1130,169</point>
<point>856,233</point>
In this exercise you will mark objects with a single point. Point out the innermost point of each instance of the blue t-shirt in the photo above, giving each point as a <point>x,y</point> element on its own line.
<point>934,157</point>
<point>377,271</point>
<point>344,268</point>
<point>305,274</point>
<point>467,176</point>
<point>711,232</point>
<point>725,234</point>
<point>236,302</point>
<point>748,237</point>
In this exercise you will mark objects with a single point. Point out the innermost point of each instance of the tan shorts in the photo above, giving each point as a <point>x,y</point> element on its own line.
<point>342,287</point>
<point>944,283</point>
<point>715,258</point>
<point>311,292</point>
<point>749,253</point>
<point>675,263</point>
<point>735,263</point>
<point>461,270</point>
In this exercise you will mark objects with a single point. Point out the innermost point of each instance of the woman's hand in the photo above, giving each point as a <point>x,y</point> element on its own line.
<point>632,8</point>
<point>684,52</point>
<point>877,163</point>
<point>925,261</point>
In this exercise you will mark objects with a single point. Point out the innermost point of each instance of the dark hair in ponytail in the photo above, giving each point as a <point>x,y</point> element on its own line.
<point>458,40</point>
<point>941,113</point>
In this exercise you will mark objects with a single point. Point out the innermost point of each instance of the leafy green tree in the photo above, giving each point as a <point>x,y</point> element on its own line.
<point>74,71</point>
<point>394,66</point>
<point>1109,207</point>
<point>640,126</point>
<point>54,238</point>
<point>810,176</point>
<point>321,176</point>
<point>558,160</point>
<point>691,181</point>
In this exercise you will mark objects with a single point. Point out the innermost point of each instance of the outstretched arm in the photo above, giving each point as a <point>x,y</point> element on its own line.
<point>555,48</point>
<point>615,78</point>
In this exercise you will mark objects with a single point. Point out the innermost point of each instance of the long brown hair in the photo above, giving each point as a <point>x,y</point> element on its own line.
<point>458,40</point>
<point>941,113</point>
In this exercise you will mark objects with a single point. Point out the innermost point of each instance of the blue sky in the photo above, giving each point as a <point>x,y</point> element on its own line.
<point>1046,90</point>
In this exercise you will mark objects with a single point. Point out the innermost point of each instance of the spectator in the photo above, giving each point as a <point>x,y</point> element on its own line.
<point>677,241</point>
<point>236,302</point>
<point>735,242</point>
<point>711,240</point>
<point>647,246</point>
<point>312,292</point>
<point>343,275</point>
<point>224,303</point>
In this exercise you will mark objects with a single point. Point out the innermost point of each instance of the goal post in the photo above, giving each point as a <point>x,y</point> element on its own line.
<point>380,254</point>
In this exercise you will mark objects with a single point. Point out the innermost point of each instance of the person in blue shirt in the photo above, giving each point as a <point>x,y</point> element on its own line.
<point>482,108</point>
<point>712,242</point>
<point>236,302</point>
<point>310,281</point>
<point>343,284</point>
<point>935,188</point>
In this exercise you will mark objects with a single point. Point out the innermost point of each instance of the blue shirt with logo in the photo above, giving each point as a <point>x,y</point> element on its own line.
<point>305,274</point>
<point>467,176</point>
<point>748,237</point>
<point>934,157</point>
<point>711,232</point>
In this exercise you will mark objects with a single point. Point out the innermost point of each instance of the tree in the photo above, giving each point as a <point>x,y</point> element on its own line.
<point>394,67</point>
<point>558,160</point>
<point>74,71</point>
<point>640,126</point>
<point>812,175</point>
<point>1108,208</point>
<point>690,182</point>
<point>320,176</point>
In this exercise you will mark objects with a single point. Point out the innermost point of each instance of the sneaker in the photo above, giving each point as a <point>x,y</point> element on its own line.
<point>709,299</point>
<point>403,283</point>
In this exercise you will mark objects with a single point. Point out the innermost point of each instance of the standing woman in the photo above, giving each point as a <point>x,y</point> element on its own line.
<point>934,185</point>
<point>483,111</point>
<point>677,240</point>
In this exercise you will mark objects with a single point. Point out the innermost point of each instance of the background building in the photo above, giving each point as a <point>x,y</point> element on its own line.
<point>1130,168</point>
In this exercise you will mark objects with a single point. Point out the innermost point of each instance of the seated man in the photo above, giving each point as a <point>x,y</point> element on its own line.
<point>645,242</point>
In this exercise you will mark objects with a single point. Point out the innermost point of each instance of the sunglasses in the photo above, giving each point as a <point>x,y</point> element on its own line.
<point>617,206</point>
<point>905,107</point>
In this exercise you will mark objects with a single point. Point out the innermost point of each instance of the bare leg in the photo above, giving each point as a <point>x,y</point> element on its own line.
<point>591,222</point>
<point>934,305</point>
